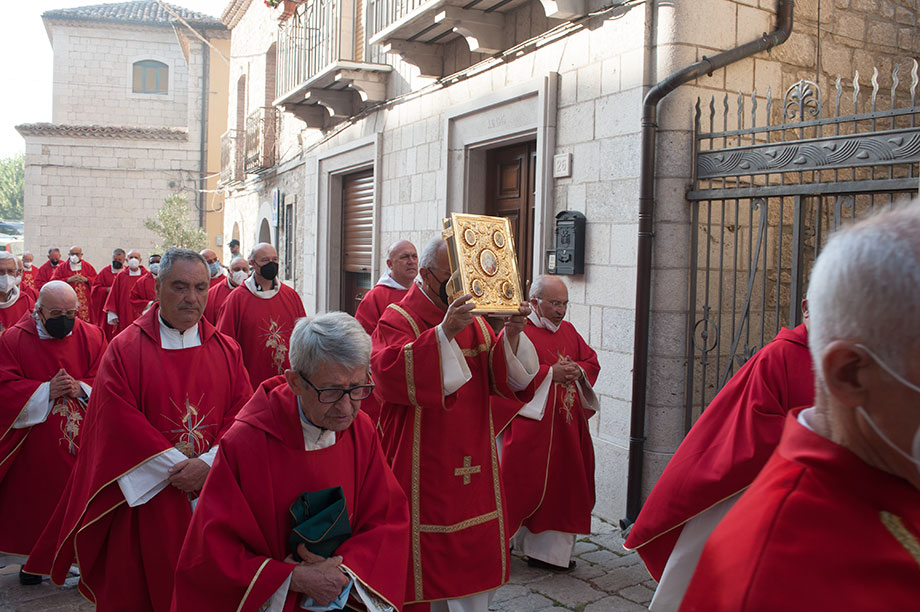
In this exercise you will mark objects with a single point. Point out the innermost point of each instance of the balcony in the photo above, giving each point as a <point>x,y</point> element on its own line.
<point>262,135</point>
<point>416,30</point>
<point>231,167</point>
<point>322,73</point>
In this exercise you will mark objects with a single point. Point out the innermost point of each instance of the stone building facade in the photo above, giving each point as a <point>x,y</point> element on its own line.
<point>466,90</point>
<point>131,102</point>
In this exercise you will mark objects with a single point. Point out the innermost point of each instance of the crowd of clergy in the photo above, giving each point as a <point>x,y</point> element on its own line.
<point>183,437</point>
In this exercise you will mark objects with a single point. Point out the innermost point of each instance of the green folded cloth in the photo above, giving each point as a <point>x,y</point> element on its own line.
<point>320,520</point>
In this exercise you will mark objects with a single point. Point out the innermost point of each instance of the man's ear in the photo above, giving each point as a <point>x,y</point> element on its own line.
<point>293,379</point>
<point>844,369</point>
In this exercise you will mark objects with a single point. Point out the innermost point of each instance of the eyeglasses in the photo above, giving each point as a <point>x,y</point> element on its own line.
<point>331,395</point>
<point>555,303</point>
<point>54,314</point>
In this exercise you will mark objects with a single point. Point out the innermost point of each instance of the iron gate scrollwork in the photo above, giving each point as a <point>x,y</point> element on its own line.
<point>765,199</point>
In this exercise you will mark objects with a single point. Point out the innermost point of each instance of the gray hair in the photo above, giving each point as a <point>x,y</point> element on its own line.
<point>333,337</point>
<point>429,256</point>
<point>173,255</point>
<point>865,287</point>
<point>118,251</point>
<point>538,286</point>
<point>8,255</point>
<point>237,258</point>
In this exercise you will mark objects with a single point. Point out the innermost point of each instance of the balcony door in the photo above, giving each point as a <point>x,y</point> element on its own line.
<point>357,237</point>
<point>510,191</point>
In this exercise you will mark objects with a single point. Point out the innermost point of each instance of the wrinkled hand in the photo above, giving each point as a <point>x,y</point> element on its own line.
<point>60,385</point>
<point>515,324</point>
<point>321,580</point>
<point>76,278</point>
<point>566,371</point>
<point>189,475</point>
<point>458,316</point>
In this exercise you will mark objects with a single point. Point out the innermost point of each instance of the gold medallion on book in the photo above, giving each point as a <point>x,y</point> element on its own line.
<point>483,263</point>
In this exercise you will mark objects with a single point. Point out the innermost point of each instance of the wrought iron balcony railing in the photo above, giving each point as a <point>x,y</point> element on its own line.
<point>313,39</point>
<point>231,168</point>
<point>262,139</point>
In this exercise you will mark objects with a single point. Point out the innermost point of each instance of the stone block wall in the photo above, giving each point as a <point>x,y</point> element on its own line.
<point>93,75</point>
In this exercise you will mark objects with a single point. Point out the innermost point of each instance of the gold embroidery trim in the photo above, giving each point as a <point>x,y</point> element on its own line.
<point>487,338</point>
<point>471,522</point>
<point>895,527</point>
<point>252,583</point>
<point>416,460</point>
<point>496,484</point>
<point>408,318</point>
<point>475,352</point>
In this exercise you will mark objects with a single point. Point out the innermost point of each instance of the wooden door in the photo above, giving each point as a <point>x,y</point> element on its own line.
<point>510,186</point>
<point>357,237</point>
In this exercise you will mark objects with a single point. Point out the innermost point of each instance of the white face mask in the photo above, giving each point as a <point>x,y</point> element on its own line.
<point>27,265</point>
<point>74,259</point>
<point>7,282</point>
<point>154,269</point>
<point>134,263</point>
<point>914,456</point>
<point>545,323</point>
<point>238,277</point>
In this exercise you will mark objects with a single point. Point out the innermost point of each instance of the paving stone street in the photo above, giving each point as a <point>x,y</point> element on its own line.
<point>606,579</point>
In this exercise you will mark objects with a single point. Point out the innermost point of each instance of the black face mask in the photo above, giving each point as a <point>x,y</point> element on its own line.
<point>269,271</point>
<point>59,327</point>
<point>442,288</point>
<point>117,264</point>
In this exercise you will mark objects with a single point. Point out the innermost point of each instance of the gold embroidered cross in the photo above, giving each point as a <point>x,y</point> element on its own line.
<point>467,469</point>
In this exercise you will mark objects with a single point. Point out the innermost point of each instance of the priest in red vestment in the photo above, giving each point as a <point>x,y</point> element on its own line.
<point>80,275</point>
<point>832,522</point>
<point>261,316</point>
<point>143,293</point>
<point>25,289</point>
<point>214,267</point>
<point>217,295</point>
<point>547,455</point>
<point>166,391</point>
<point>48,361</point>
<point>46,270</point>
<point>102,286</point>
<point>13,302</point>
<point>436,367</point>
<point>118,309</point>
<point>721,455</point>
<point>300,433</point>
<point>402,268</point>
<point>29,271</point>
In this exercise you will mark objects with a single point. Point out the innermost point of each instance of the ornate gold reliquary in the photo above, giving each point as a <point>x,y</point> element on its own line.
<point>483,263</point>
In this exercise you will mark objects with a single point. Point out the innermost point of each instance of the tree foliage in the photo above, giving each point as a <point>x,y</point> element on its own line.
<point>175,226</point>
<point>12,177</point>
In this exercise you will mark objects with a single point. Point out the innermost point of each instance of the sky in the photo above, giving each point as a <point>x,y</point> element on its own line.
<point>27,72</point>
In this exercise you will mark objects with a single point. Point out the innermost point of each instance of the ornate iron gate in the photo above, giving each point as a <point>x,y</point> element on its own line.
<point>764,200</point>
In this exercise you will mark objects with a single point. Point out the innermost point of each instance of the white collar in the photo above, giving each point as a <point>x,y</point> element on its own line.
<point>74,268</point>
<point>314,438</point>
<point>389,281</point>
<point>257,291</point>
<point>12,298</point>
<point>134,272</point>
<point>173,340</point>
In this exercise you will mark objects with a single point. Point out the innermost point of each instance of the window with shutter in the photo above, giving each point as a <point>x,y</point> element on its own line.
<point>357,237</point>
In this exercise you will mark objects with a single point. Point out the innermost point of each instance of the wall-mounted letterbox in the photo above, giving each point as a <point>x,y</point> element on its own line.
<point>569,255</point>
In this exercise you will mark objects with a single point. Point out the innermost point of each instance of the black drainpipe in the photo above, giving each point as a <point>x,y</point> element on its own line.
<point>646,232</point>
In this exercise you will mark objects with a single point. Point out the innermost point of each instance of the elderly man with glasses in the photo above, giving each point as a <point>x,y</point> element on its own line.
<point>301,435</point>
<point>48,363</point>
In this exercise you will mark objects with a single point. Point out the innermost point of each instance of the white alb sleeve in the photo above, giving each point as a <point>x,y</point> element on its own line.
<point>535,408</point>
<point>208,456</point>
<point>454,371</point>
<point>141,484</point>
<point>111,318</point>
<point>523,366</point>
<point>37,408</point>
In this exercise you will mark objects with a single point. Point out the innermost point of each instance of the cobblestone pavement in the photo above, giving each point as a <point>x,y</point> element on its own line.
<point>606,579</point>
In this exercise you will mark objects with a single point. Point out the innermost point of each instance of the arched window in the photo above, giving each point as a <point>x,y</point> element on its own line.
<point>150,77</point>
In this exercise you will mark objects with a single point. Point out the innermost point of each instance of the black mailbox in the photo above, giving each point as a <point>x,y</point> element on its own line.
<point>569,255</point>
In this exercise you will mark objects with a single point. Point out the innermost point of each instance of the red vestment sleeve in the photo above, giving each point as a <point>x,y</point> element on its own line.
<point>407,369</point>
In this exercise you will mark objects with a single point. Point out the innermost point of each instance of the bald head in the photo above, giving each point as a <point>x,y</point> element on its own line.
<point>210,258</point>
<point>549,298</point>
<point>56,295</point>
<point>402,260</point>
<point>134,253</point>
<point>264,262</point>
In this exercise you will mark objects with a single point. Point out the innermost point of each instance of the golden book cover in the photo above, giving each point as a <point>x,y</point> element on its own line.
<point>483,263</point>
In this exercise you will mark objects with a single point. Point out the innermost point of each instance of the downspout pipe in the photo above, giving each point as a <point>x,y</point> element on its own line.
<point>649,132</point>
<point>203,135</point>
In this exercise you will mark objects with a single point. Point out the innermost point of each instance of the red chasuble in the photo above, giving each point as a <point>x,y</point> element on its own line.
<point>44,274</point>
<point>10,315</point>
<point>142,293</point>
<point>232,556</point>
<point>216,279</point>
<point>548,465</point>
<point>101,287</point>
<point>819,529</point>
<point>28,278</point>
<point>217,294</point>
<point>119,302</point>
<point>146,400</point>
<point>374,303</point>
<point>442,449</point>
<point>263,329</point>
<point>83,288</point>
<point>727,446</point>
<point>35,462</point>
